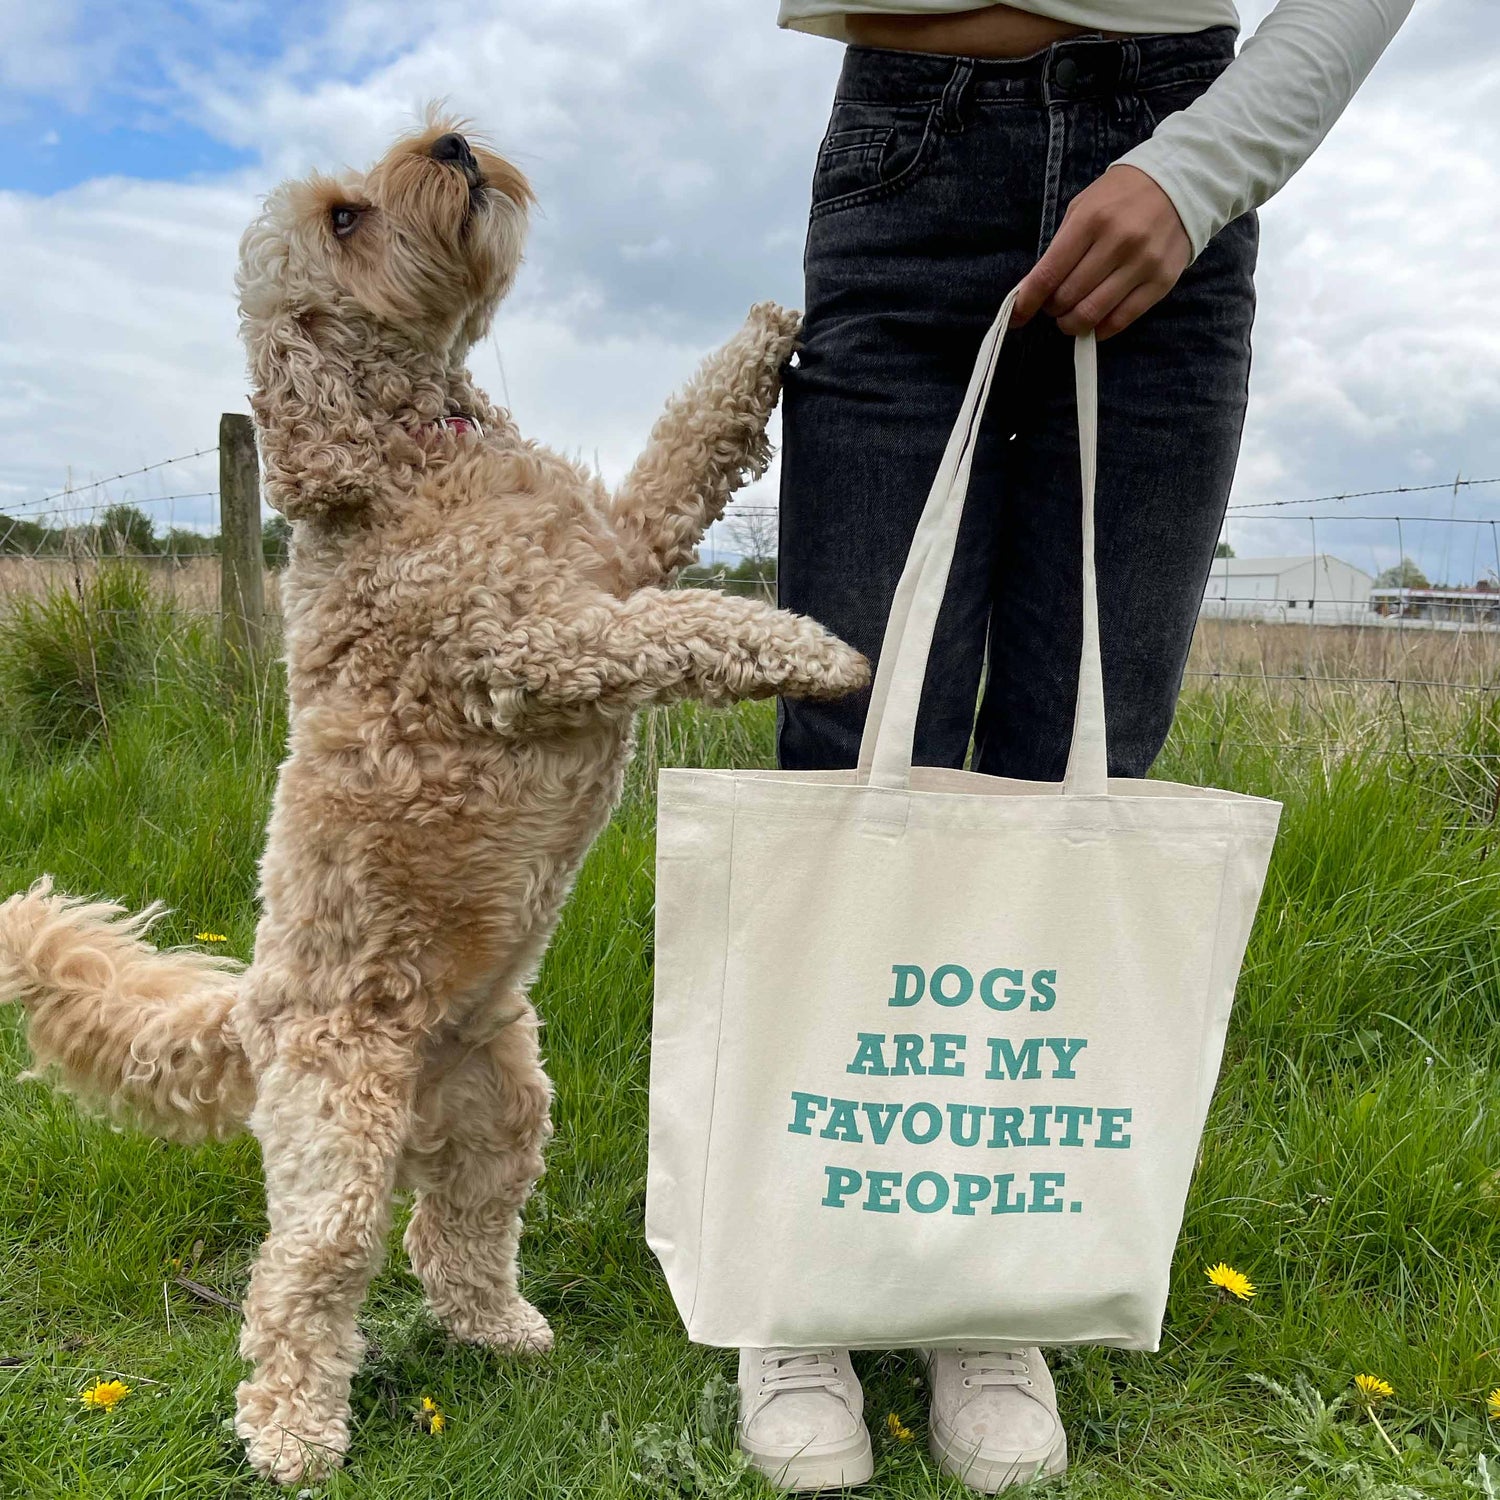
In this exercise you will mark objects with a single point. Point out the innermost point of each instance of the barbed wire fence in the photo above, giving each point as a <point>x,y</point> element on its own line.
<point>1322,655</point>
<point>1344,671</point>
<point>61,537</point>
<point>1406,670</point>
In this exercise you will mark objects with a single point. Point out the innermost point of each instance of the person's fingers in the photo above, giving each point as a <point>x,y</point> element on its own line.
<point>1067,247</point>
<point>1120,242</point>
<point>1097,264</point>
<point>1093,308</point>
<point>1142,299</point>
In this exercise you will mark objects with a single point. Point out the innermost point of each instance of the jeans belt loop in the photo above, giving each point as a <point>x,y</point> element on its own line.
<point>951,107</point>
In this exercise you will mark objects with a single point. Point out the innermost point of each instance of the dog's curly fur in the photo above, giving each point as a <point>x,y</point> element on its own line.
<point>471,623</point>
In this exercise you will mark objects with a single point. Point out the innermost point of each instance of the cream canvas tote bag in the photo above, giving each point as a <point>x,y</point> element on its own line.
<point>932,1051</point>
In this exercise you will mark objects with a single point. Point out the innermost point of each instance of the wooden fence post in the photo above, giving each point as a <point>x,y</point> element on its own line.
<point>242,599</point>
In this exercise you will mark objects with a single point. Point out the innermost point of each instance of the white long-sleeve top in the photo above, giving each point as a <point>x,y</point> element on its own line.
<point>1240,141</point>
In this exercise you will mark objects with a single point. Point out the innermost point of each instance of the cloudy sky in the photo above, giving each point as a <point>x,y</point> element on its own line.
<point>671,145</point>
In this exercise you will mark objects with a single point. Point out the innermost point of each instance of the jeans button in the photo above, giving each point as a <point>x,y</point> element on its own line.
<point>1067,73</point>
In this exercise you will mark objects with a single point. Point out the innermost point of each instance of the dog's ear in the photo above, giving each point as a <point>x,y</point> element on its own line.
<point>320,452</point>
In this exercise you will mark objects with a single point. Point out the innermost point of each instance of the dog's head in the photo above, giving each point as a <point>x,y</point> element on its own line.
<point>359,295</point>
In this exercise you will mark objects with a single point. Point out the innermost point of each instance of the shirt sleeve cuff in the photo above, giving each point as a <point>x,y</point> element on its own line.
<point>1201,216</point>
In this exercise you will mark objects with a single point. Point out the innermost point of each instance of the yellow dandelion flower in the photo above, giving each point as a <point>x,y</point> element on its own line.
<point>428,1404</point>
<point>1493,1402</point>
<point>898,1429</point>
<point>104,1395</point>
<point>436,1422</point>
<point>1228,1280</point>
<point>1372,1388</point>
<point>428,1416</point>
<point>210,937</point>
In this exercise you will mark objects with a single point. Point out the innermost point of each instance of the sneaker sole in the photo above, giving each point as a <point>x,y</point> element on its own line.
<point>991,1475</point>
<point>853,1464</point>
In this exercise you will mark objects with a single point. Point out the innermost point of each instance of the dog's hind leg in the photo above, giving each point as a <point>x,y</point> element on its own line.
<point>708,442</point>
<point>331,1138</point>
<point>477,1151</point>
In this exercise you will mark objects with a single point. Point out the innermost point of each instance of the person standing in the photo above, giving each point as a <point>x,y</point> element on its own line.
<point>1108,155</point>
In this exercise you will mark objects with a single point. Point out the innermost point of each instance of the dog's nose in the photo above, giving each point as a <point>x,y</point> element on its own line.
<point>452,147</point>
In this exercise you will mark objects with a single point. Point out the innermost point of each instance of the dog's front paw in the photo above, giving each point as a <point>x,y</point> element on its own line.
<point>283,1441</point>
<point>849,672</point>
<point>775,330</point>
<point>830,669</point>
<point>515,1328</point>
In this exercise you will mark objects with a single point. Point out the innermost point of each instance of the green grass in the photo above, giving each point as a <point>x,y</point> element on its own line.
<point>1351,1165</point>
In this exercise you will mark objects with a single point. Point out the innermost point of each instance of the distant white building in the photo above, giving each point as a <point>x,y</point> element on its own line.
<point>1301,590</point>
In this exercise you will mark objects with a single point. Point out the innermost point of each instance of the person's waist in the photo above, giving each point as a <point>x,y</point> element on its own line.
<point>1084,66</point>
<point>996,31</point>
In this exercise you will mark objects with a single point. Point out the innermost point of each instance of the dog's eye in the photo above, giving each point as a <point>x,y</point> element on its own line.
<point>344,218</point>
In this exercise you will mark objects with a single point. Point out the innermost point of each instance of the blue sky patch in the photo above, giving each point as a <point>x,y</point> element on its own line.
<point>112,93</point>
<point>41,157</point>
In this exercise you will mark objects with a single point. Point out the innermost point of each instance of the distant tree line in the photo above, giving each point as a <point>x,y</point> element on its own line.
<point>1402,575</point>
<point>127,531</point>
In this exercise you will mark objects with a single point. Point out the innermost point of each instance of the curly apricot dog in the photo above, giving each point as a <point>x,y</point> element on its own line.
<point>471,622</point>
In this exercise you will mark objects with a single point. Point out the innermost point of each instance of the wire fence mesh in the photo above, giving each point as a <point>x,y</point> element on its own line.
<point>61,540</point>
<point>1328,618</point>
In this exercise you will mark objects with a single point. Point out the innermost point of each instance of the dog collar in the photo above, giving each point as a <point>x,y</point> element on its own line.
<point>458,425</point>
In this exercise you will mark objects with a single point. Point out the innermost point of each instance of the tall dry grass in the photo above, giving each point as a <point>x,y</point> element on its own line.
<point>1321,692</point>
<point>1400,651</point>
<point>1375,655</point>
<point>190,583</point>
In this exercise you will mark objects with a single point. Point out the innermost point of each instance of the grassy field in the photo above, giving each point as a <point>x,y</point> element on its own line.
<point>1351,1166</point>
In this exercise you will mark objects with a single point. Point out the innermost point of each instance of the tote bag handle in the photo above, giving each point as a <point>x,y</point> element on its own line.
<point>890,726</point>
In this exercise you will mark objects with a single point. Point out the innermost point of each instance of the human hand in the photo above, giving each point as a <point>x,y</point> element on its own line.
<point>1119,250</point>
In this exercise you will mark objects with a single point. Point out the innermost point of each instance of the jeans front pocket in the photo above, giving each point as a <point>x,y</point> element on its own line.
<point>870,151</point>
<point>1163,99</point>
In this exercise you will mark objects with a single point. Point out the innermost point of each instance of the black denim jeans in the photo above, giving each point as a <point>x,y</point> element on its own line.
<point>938,184</point>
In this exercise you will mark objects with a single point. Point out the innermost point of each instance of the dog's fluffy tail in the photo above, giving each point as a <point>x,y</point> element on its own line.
<point>143,1034</point>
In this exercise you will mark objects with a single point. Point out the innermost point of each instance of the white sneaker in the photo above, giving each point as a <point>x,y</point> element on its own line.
<point>802,1418</point>
<point>993,1420</point>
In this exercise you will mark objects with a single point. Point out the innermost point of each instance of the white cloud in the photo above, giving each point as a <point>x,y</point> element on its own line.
<point>39,49</point>
<point>119,344</point>
<point>1377,356</point>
